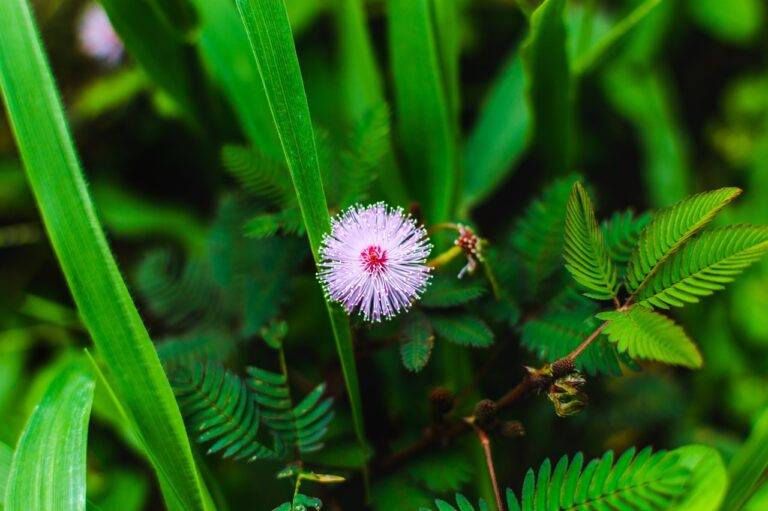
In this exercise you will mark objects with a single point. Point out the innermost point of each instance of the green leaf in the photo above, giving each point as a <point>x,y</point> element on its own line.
<point>441,472</point>
<point>748,465</point>
<point>463,329</point>
<point>669,229</point>
<point>6,455</point>
<point>538,235</point>
<point>48,467</point>
<point>91,271</point>
<point>448,291</point>
<point>621,233</point>
<point>585,252</point>
<point>499,136</point>
<point>422,107</point>
<point>180,15</point>
<point>704,266</point>
<point>549,86</point>
<point>259,175</point>
<point>709,480</point>
<point>416,341</point>
<point>643,333</point>
<point>738,21</point>
<point>644,481</point>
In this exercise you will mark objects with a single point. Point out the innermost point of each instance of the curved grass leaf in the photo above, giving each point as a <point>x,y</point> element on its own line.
<point>748,466</point>
<point>6,455</point>
<point>704,265</point>
<point>549,86</point>
<point>422,107</point>
<point>499,136</point>
<point>669,229</point>
<point>269,31</point>
<point>645,334</point>
<point>98,289</point>
<point>48,467</point>
<point>585,252</point>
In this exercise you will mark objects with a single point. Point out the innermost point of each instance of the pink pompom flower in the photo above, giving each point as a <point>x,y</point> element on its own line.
<point>96,36</point>
<point>374,261</point>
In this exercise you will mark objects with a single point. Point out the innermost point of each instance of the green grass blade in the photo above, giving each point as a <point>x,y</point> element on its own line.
<point>427,134</point>
<point>6,455</point>
<point>266,23</point>
<point>748,466</point>
<point>48,467</point>
<point>362,89</point>
<point>499,136</point>
<point>99,291</point>
<point>549,83</point>
<point>180,15</point>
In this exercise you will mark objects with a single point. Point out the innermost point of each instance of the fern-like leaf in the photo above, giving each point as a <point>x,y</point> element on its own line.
<point>705,265</point>
<point>463,329</point>
<point>564,326</point>
<point>621,233</point>
<point>416,341</point>
<point>669,230</point>
<point>643,333</point>
<point>585,253</point>
<point>258,175</point>
<point>538,236</point>
<point>304,425</point>
<point>446,291</point>
<point>220,409</point>
<point>266,225</point>
<point>647,481</point>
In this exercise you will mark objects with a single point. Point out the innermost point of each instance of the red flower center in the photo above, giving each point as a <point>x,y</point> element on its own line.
<point>374,258</point>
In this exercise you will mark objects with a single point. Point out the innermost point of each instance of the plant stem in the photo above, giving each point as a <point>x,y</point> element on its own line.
<point>485,443</point>
<point>584,345</point>
<point>445,258</point>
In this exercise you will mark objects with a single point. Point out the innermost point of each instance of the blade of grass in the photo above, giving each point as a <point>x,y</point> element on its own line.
<point>6,455</point>
<point>48,467</point>
<point>426,128</point>
<point>180,15</point>
<point>499,136</point>
<point>362,87</point>
<point>266,23</point>
<point>549,87</point>
<point>748,466</point>
<point>99,291</point>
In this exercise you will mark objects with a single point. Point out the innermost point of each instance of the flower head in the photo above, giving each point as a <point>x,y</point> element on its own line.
<point>96,36</point>
<point>374,261</point>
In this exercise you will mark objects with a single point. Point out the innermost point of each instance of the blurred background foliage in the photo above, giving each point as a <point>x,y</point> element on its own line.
<point>170,132</point>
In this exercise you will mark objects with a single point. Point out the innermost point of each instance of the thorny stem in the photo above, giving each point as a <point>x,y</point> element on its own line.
<point>485,442</point>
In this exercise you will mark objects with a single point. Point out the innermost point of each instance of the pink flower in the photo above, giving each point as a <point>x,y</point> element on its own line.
<point>374,261</point>
<point>97,37</point>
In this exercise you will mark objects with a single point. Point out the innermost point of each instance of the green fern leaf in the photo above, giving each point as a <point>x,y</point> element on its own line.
<point>441,472</point>
<point>621,233</point>
<point>219,409</point>
<point>565,325</point>
<point>704,265</point>
<point>585,253</point>
<point>463,329</point>
<point>446,291</point>
<point>538,236</point>
<point>266,225</point>
<point>416,341</point>
<point>644,481</point>
<point>302,426</point>
<point>187,349</point>
<point>669,229</point>
<point>643,333</point>
<point>258,175</point>
<point>462,504</point>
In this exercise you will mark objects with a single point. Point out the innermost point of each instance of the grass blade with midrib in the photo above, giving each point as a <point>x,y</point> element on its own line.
<point>99,291</point>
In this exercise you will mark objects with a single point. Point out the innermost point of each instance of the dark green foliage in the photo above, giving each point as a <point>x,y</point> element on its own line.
<point>462,329</point>
<point>621,233</point>
<point>220,410</point>
<point>302,426</point>
<point>669,229</point>
<point>537,238</point>
<point>704,265</point>
<point>259,175</point>
<point>300,502</point>
<point>448,291</point>
<point>416,341</point>
<point>585,252</point>
<point>643,333</point>
<point>194,347</point>
<point>651,481</point>
<point>566,324</point>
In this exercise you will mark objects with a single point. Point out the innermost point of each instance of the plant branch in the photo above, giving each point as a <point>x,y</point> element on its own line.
<point>485,443</point>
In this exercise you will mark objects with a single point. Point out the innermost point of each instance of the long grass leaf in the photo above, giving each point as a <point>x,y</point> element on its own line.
<point>48,467</point>
<point>6,455</point>
<point>427,134</point>
<point>748,466</point>
<point>99,291</point>
<point>266,23</point>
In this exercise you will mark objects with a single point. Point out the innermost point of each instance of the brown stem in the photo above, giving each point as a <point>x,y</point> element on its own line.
<point>584,345</point>
<point>485,442</point>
